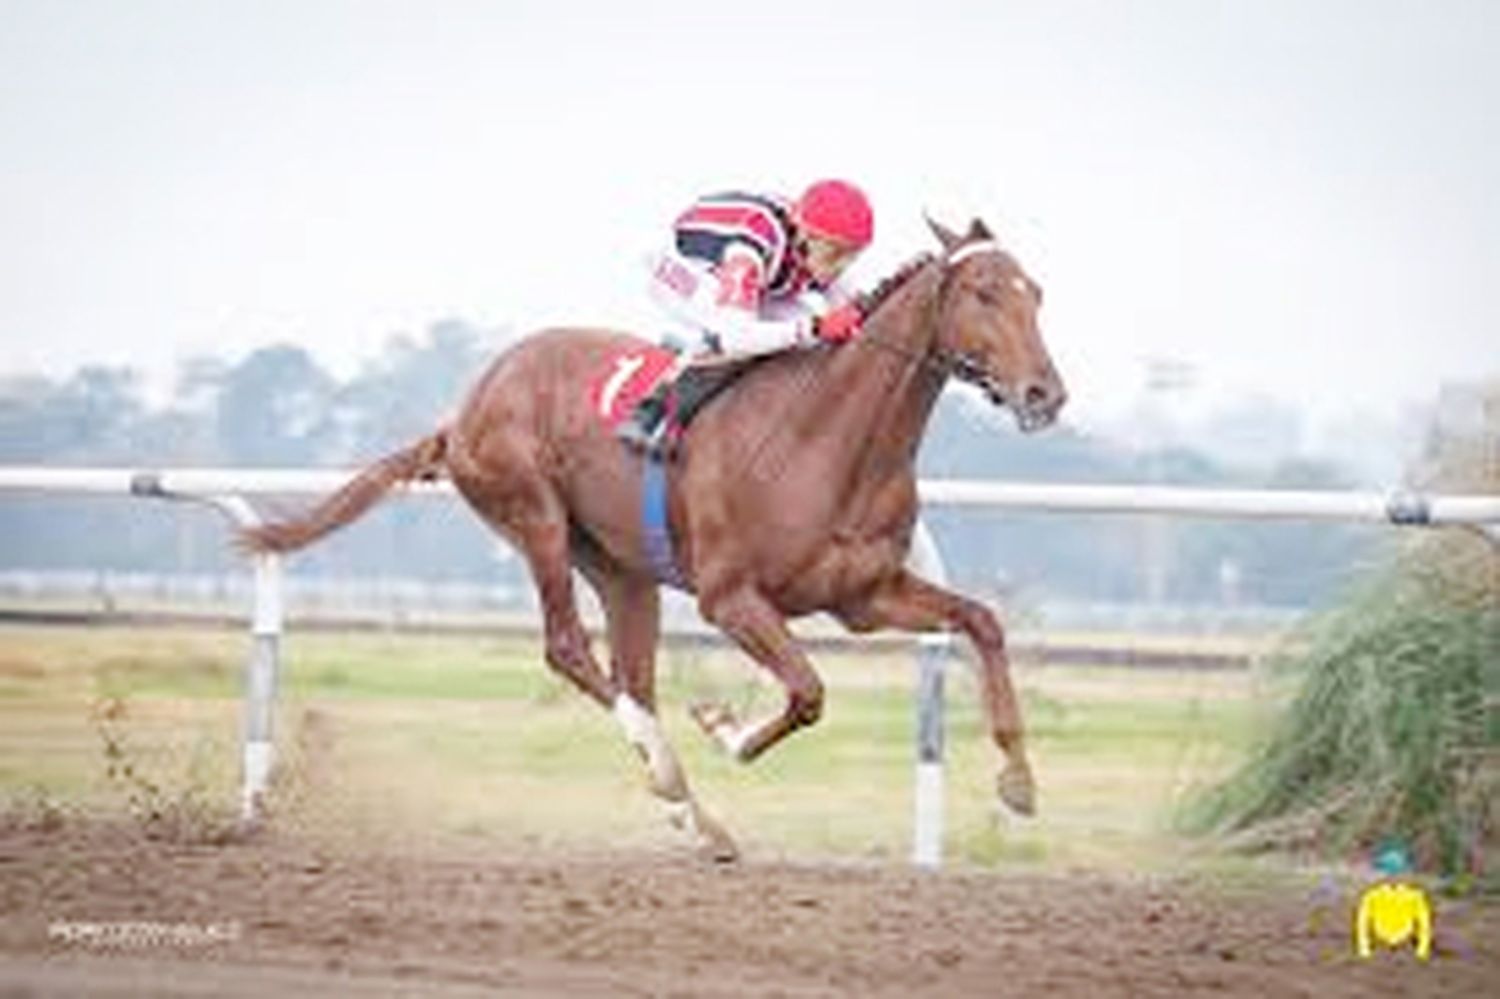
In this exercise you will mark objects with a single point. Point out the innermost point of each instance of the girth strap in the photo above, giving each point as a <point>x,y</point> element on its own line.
<point>656,525</point>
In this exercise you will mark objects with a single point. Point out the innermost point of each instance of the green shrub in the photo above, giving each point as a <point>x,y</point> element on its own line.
<point>1389,724</point>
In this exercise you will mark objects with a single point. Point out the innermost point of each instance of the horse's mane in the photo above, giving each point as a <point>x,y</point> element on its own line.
<point>877,296</point>
<point>813,361</point>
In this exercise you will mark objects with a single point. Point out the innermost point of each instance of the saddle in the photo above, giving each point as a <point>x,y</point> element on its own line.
<point>638,373</point>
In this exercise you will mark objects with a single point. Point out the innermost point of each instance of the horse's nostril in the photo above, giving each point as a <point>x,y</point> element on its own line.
<point>1036,396</point>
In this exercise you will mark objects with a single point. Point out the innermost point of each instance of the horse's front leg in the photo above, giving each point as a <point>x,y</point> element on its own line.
<point>909,603</point>
<point>759,628</point>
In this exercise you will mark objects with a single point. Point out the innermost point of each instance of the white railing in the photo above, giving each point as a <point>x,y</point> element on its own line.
<point>226,489</point>
<point>1398,506</point>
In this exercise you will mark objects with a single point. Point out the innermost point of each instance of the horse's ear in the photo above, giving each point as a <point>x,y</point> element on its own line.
<point>946,236</point>
<point>978,230</point>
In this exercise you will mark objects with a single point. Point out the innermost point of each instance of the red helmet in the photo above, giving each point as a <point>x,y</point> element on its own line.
<point>837,210</point>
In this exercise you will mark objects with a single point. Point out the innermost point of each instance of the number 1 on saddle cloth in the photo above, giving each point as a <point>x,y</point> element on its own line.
<point>658,420</point>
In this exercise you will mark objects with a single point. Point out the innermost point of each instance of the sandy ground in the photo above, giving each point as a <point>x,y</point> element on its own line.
<point>274,916</point>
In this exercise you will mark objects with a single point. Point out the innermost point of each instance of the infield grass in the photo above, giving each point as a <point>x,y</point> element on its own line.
<point>447,739</point>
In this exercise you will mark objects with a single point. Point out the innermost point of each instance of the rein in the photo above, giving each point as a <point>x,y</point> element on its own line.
<point>941,362</point>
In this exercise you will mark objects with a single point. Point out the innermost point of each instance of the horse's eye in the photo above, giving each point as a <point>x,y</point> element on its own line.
<point>989,296</point>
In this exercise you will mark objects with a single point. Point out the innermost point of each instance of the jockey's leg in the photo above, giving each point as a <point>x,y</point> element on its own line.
<point>747,617</point>
<point>646,426</point>
<point>910,603</point>
<point>632,613</point>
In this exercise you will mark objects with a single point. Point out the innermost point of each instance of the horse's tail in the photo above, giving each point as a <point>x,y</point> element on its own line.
<point>423,459</point>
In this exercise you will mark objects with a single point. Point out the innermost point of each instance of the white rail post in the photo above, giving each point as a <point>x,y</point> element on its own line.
<point>257,750</point>
<point>933,653</point>
<point>261,676</point>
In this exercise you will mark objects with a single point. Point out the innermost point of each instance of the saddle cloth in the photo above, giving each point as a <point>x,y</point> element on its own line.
<point>632,373</point>
<point>625,378</point>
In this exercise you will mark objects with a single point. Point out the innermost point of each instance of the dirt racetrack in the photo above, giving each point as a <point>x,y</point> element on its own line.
<point>279,917</point>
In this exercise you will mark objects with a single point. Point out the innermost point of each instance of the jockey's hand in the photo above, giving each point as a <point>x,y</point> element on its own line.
<point>840,324</point>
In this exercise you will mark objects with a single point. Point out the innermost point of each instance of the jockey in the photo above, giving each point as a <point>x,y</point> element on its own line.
<point>751,274</point>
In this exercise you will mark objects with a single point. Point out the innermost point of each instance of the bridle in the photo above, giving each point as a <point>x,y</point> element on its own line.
<point>943,362</point>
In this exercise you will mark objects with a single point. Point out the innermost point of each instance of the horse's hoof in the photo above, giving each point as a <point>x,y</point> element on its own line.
<point>1017,790</point>
<point>719,851</point>
<point>714,843</point>
<point>715,719</point>
<point>712,840</point>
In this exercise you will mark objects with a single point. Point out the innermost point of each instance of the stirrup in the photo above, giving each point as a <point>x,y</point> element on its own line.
<point>653,442</point>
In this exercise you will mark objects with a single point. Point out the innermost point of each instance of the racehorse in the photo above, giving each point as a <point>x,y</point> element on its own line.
<point>793,492</point>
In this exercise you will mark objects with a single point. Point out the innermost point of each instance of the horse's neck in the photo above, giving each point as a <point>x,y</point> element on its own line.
<point>912,324</point>
<point>878,392</point>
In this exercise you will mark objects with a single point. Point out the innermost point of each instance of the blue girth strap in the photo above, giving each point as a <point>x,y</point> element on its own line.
<point>656,525</point>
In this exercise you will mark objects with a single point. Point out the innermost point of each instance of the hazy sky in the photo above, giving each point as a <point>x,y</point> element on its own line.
<point>1297,197</point>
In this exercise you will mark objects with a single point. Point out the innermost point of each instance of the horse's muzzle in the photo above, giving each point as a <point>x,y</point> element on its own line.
<point>1035,404</point>
<point>1038,404</point>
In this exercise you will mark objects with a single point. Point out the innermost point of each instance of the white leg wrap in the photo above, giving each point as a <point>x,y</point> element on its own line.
<point>643,731</point>
<point>635,720</point>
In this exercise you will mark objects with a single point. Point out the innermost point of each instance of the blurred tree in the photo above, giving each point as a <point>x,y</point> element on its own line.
<point>88,418</point>
<point>275,408</point>
<point>1288,563</point>
<point>278,406</point>
<point>26,433</point>
<point>409,388</point>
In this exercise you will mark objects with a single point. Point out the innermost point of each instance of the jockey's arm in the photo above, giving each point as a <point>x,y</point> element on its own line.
<point>735,312</point>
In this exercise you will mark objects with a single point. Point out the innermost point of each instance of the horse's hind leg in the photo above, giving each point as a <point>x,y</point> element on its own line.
<point>533,519</point>
<point>633,615</point>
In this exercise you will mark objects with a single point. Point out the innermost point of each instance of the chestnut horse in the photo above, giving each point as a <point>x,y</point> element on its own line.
<point>793,492</point>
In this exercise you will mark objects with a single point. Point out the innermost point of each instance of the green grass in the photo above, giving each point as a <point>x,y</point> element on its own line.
<point>443,737</point>
<point>1389,725</point>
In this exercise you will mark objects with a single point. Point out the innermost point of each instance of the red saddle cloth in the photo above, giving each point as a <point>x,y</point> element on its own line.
<point>626,377</point>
